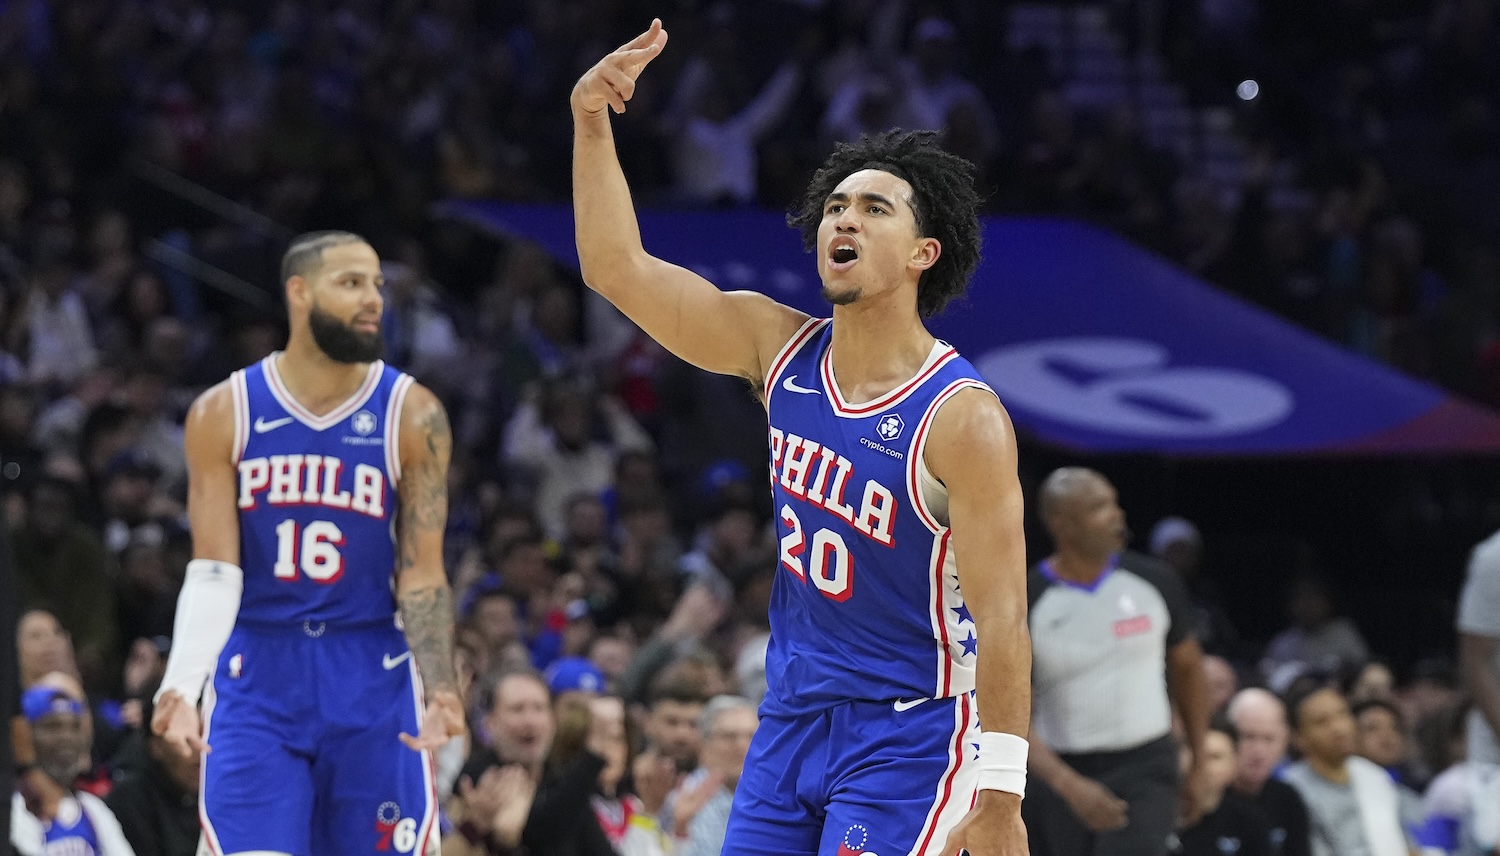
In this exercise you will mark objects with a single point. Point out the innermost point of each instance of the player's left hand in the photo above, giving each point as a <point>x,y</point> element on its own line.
<point>442,721</point>
<point>992,828</point>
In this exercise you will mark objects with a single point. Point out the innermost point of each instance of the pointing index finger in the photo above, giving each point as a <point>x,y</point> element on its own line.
<point>643,39</point>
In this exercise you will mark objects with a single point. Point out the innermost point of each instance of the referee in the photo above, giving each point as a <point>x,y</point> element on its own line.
<point>1114,650</point>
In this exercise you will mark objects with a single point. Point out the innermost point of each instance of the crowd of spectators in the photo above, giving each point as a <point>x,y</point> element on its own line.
<point>607,527</point>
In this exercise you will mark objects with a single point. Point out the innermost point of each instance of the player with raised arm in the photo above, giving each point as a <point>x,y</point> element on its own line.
<point>317,496</point>
<point>902,582</point>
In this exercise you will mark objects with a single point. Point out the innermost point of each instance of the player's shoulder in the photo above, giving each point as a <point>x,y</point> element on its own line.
<point>419,404</point>
<point>214,403</point>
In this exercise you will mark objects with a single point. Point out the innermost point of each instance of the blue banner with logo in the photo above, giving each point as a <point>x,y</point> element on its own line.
<point>1093,343</point>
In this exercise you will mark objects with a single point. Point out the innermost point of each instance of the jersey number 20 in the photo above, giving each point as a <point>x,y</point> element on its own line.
<point>832,568</point>
<point>318,557</point>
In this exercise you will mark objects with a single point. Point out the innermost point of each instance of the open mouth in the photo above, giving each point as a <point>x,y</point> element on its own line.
<point>842,254</point>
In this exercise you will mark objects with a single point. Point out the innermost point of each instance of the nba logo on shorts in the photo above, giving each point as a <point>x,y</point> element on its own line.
<point>854,842</point>
<point>363,423</point>
<point>236,665</point>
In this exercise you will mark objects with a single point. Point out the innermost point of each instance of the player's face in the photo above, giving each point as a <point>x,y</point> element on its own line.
<point>867,241</point>
<point>345,303</point>
<point>1326,727</point>
<point>1263,738</point>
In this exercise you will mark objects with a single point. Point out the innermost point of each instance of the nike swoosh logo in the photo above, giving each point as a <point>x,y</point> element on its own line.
<point>790,386</point>
<point>392,662</point>
<point>902,705</point>
<point>262,426</point>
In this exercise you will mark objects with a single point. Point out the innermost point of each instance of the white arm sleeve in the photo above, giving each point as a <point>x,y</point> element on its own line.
<point>206,610</point>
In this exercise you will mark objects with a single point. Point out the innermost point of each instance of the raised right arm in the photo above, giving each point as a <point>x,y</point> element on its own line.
<point>734,333</point>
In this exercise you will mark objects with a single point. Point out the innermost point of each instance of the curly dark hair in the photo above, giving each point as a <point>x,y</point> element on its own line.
<point>944,201</point>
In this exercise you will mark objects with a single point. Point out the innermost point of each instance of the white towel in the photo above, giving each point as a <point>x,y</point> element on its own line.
<point>1379,808</point>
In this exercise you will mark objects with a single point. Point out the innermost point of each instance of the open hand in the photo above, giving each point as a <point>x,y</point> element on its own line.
<point>612,80</point>
<point>442,721</point>
<point>177,722</point>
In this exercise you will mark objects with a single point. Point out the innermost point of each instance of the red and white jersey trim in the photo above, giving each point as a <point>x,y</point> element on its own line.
<point>393,428</point>
<point>942,354</point>
<point>804,334</point>
<point>240,393</point>
<point>332,417</point>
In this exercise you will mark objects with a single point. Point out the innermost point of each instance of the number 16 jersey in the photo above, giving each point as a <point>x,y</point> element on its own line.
<point>317,499</point>
<point>866,603</point>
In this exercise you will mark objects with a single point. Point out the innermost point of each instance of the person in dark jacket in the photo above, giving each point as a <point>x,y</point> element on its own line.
<point>158,804</point>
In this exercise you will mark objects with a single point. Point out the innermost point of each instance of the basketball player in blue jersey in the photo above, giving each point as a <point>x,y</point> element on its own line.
<point>899,664</point>
<point>317,495</point>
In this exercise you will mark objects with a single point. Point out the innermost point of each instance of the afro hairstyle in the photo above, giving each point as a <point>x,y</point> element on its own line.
<point>944,202</point>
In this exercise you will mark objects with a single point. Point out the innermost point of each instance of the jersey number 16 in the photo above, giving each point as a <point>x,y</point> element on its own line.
<point>319,556</point>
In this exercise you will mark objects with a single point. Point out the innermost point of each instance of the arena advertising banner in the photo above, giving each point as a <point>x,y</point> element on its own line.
<point>1093,343</point>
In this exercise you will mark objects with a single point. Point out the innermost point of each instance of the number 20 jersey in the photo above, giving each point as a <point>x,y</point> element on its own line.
<point>317,499</point>
<point>866,603</point>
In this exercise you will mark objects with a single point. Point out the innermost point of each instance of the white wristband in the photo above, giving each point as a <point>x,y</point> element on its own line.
<point>1002,762</point>
<point>206,611</point>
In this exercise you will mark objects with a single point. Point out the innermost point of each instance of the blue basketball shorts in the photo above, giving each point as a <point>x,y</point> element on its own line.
<point>868,778</point>
<point>303,725</point>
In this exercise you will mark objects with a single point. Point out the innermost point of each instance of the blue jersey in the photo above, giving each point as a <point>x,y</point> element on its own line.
<point>70,833</point>
<point>317,499</point>
<point>866,604</point>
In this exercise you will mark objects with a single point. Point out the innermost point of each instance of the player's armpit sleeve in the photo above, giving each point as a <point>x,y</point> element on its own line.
<point>206,611</point>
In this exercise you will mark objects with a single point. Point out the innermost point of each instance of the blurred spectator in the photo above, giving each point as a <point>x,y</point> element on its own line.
<point>158,431</point>
<point>1448,805</point>
<point>1177,542</point>
<point>43,646</point>
<point>716,138</point>
<point>1353,805</point>
<point>53,324</point>
<point>697,813</point>
<point>573,675</point>
<point>1260,719</point>
<point>1223,683</point>
<point>1369,681</point>
<point>49,816</point>
<point>611,655</point>
<point>420,338</point>
<point>725,540</point>
<point>1318,641</point>
<point>1382,740</point>
<point>158,806</point>
<point>1230,823</point>
<point>134,512</point>
<point>64,569</point>
<point>562,451</point>
<point>671,729</point>
<point>578,808</point>
<point>519,725</point>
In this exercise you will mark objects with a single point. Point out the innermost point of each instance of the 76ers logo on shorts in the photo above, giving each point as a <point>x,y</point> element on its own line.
<point>395,832</point>
<point>854,842</point>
